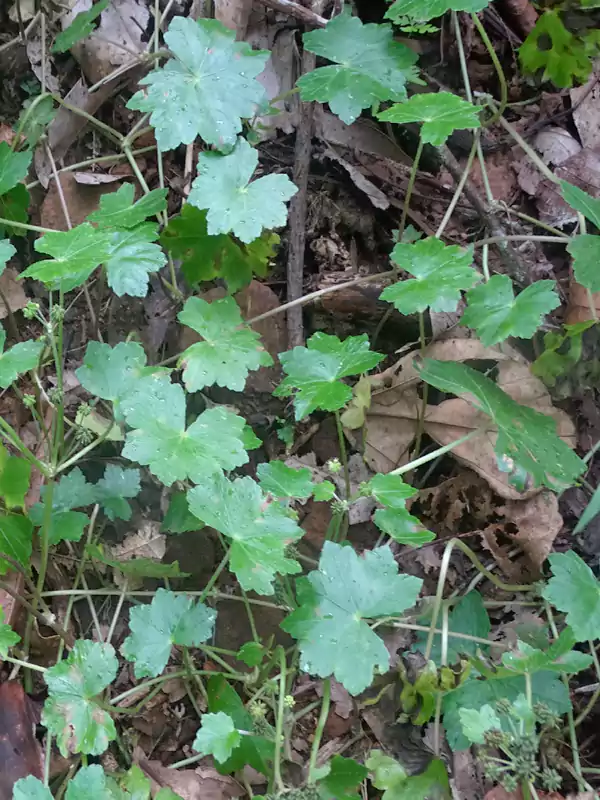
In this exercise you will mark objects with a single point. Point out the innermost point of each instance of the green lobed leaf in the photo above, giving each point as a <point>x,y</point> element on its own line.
<point>14,206</point>
<point>389,775</point>
<point>424,10</point>
<point>582,606</point>
<point>33,122</point>
<point>314,372</point>
<point>217,736</point>
<point>31,788</point>
<point>18,359</point>
<point>581,201</point>
<point>252,654</point>
<point>229,349</point>
<point>494,312</point>
<point>402,527</point>
<point>206,89</point>
<point>169,619</point>
<point>113,488</point>
<point>562,351</point>
<point>440,273</point>
<point>13,167</point>
<point>585,250</point>
<point>234,203</point>
<point>555,50</point>
<point>559,657</point>
<point>76,254</point>
<point>118,209</point>
<point>172,451</point>
<point>179,518</point>
<point>279,480</point>
<point>259,531</point>
<point>334,638</point>
<point>344,776</point>
<point>547,688</point>
<point>441,113</point>
<point>390,490</point>
<point>70,712</point>
<point>524,435</point>
<point>81,27</point>
<point>369,66</point>
<point>467,616</point>
<point>7,251</point>
<point>15,474</point>
<point>91,783</point>
<point>16,534</point>
<point>205,257</point>
<point>132,256</point>
<point>8,638</point>
<point>476,722</point>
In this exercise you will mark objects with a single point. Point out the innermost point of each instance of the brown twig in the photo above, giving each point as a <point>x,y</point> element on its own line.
<point>64,635</point>
<point>305,15</point>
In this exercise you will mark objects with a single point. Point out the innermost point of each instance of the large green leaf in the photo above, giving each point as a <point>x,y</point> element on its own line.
<point>132,257</point>
<point>495,313</point>
<point>16,533</point>
<point>31,788</point>
<point>76,254</point>
<point>205,257</point>
<point>369,66</point>
<point>341,779</point>
<point>111,372</point>
<point>169,619</point>
<point>573,589</point>
<point>314,372</point>
<point>217,736</point>
<point>81,27</point>
<point>234,203</point>
<point>547,688</point>
<point>524,435</point>
<point>440,273</point>
<point>18,359</point>
<point>13,167</point>
<point>346,590</point>
<point>440,113</point>
<point>206,89</point>
<point>118,209</point>
<point>174,452</point>
<point>585,250</point>
<point>259,531</point>
<point>403,11</point>
<point>71,712</point>
<point>229,351</point>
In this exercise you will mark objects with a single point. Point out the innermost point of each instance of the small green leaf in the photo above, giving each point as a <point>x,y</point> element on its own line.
<point>346,590</point>
<point>136,784</point>
<point>205,257</point>
<point>526,436</point>
<point>562,351</point>
<point>314,372</point>
<point>259,531</point>
<point>173,452</point>
<point>81,27</point>
<point>354,416</point>
<point>179,518</point>
<point>252,654</point>
<point>585,250</point>
<point>217,736</point>
<point>15,474</point>
<point>76,253</point>
<point>440,273</point>
<point>33,122</point>
<point>132,257</point>
<point>555,50</point>
<point>229,351</point>
<point>169,619</point>
<point>206,89</point>
<point>13,167</point>
<point>136,567</point>
<point>279,480</point>
<point>582,606</point>
<point>234,203</point>
<point>468,616</point>
<point>390,490</point>
<point>8,638</point>
<point>440,113</point>
<point>118,209</point>
<point>18,359</point>
<point>70,712</point>
<point>590,511</point>
<point>323,491</point>
<point>424,10</point>
<point>112,489</point>
<point>91,783</point>
<point>476,722</point>
<point>494,312</point>
<point>7,251</point>
<point>402,527</point>
<point>343,777</point>
<point>388,774</point>
<point>14,206</point>
<point>31,788</point>
<point>112,373</point>
<point>369,66</point>
<point>581,201</point>
<point>16,533</point>
<point>559,657</point>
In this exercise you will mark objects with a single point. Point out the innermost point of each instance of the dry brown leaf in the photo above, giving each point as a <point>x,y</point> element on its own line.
<point>12,290</point>
<point>147,542</point>
<point>202,783</point>
<point>586,111</point>
<point>234,14</point>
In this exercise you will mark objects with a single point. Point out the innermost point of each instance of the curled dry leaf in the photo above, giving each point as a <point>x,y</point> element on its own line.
<point>147,542</point>
<point>202,783</point>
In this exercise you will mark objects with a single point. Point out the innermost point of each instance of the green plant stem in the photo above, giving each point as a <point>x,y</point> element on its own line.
<point>147,593</point>
<point>522,238</point>
<point>459,188</point>
<point>13,438</point>
<point>90,162</point>
<point>250,616</point>
<point>48,622</point>
<point>24,664</point>
<point>279,722</point>
<point>594,698</point>
<point>24,226</point>
<point>543,168</point>
<point>182,673</point>
<point>314,751</point>
<point>409,626</point>
<point>532,220</point>
<point>343,453</point>
<point>112,134</point>
<point>439,597</point>
<point>409,189</point>
<point>418,462</point>
<point>497,66</point>
<point>425,397</point>
<point>26,117</point>
<point>215,576</point>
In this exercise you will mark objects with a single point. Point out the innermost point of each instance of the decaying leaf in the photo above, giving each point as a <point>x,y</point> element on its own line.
<point>147,542</point>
